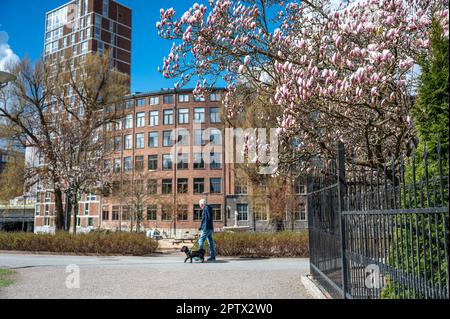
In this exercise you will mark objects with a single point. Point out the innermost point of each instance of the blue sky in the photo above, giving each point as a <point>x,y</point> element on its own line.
<point>24,21</point>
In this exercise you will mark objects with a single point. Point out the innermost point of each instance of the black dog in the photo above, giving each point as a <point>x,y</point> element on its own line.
<point>192,254</point>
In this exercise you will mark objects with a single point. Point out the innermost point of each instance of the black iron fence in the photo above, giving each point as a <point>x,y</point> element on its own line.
<point>380,232</point>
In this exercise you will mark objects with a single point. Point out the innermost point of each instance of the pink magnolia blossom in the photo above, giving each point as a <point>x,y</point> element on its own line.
<point>347,64</point>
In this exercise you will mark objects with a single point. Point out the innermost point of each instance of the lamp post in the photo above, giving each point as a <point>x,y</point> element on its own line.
<point>5,78</point>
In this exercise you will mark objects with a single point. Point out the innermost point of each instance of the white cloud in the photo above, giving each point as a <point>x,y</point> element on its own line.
<point>7,56</point>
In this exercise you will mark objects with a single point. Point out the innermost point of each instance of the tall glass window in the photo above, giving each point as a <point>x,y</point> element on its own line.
<point>153,139</point>
<point>167,161</point>
<point>128,142</point>
<point>183,116</point>
<point>153,118</point>
<point>214,115</point>
<point>127,164</point>
<point>242,210</point>
<point>168,117</point>
<point>199,115</point>
<point>140,119</point>
<point>140,143</point>
<point>128,121</point>
<point>167,138</point>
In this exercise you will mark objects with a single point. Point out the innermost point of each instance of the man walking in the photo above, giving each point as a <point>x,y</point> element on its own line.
<point>207,229</point>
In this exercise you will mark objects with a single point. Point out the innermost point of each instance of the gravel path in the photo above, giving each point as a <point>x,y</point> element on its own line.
<point>45,276</point>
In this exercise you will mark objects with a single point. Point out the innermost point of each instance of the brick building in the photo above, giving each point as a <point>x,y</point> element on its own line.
<point>156,125</point>
<point>80,27</point>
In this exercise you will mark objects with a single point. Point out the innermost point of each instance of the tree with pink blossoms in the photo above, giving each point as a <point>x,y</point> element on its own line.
<point>342,73</point>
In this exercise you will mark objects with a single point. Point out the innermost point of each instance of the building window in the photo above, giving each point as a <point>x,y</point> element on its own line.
<point>127,164</point>
<point>117,165</point>
<point>140,102</point>
<point>47,210</point>
<point>105,8</point>
<point>128,142</point>
<point>98,20</point>
<point>140,119</point>
<point>105,213</point>
<point>153,118</point>
<point>300,189</point>
<point>47,197</point>
<point>118,126</point>
<point>154,100</point>
<point>166,214</point>
<point>242,210</point>
<point>91,197</point>
<point>96,33</point>
<point>151,212</point>
<point>167,138</point>
<point>199,185</point>
<point>168,99</point>
<point>168,117</point>
<point>128,121</point>
<point>46,221</point>
<point>214,115</point>
<point>215,97</point>
<point>90,222</point>
<point>129,104</point>
<point>183,161</point>
<point>199,163</point>
<point>167,161</point>
<point>117,143</point>
<point>260,212</point>
<point>216,212</point>
<point>139,163</point>
<point>153,139</point>
<point>84,47</point>
<point>216,161</point>
<point>126,213</point>
<point>182,186</point>
<point>198,137</point>
<point>100,47</point>
<point>182,212</point>
<point>152,162</point>
<point>183,116</point>
<point>115,213</point>
<point>199,99</point>
<point>140,140</point>
<point>183,98</point>
<point>240,186</point>
<point>152,187</point>
<point>215,136</point>
<point>183,137</point>
<point>215,185</point>
<point>86,208</point>
<point>197,212</point>
<point>300,213</point>
<point>199,115</point>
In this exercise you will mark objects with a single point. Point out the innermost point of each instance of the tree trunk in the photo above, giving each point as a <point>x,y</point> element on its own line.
<point>68,213</point>
<point>59,210</point>
<point>75,211</point>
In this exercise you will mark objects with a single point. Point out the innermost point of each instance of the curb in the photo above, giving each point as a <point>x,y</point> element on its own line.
<point>313,288</point>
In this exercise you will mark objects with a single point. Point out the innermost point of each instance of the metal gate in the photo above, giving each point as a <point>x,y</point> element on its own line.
<point>379,232</point>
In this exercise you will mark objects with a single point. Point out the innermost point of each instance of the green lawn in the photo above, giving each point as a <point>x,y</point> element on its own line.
<point>6,277</point>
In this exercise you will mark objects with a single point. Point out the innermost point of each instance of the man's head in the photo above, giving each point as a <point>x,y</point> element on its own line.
<point>202,203</point>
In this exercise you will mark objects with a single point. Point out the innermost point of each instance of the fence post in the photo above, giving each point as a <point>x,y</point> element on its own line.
<point>341,194</point>
<point>309,209</point>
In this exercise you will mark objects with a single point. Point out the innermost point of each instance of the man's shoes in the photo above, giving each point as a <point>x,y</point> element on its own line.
<point>211,259</point>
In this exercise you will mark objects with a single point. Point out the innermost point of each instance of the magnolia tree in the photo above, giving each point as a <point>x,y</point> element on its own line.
<point>341,73</point>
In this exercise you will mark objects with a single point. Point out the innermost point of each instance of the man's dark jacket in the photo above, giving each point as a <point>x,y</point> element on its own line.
<point>207,219</point>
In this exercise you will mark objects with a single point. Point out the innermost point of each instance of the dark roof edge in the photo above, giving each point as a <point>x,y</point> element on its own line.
<point>166,91</point>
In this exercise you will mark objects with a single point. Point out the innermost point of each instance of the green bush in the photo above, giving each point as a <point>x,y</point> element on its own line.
<point>93,243</point>
<point>282,244</point>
